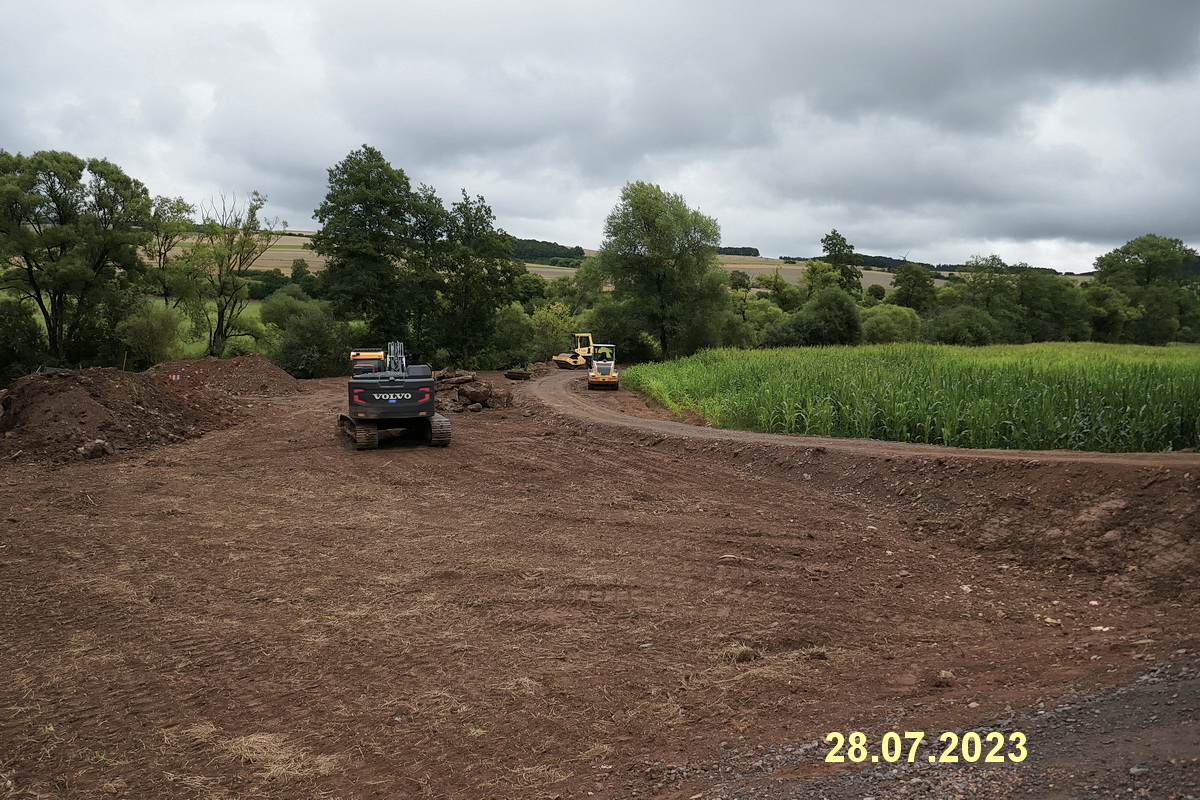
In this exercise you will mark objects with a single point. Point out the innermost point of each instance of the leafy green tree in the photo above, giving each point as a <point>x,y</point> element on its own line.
<point>613,321</point>
<point>876,293</point>
<point>512,346</point>
<point>914,287</point>
<point>264,282</point>
<point>529,289</point>
<point>302,275</point>
<point>368,229</point>
<point>553,324</point>
<point>890,323</point>
<point>171,220</point>
<point>230,239</point>
<point>1110,309</point>
<point>1149,271</point>
<point>581,290</point>
<point>965,325</point>
<point>283,304</point>
<point>657,253</point>
<point>841,255</point>
<point>820,275</point>
<point>69,228</point>
<point>830,317</point>
<point>479,274</point>
<point>151,333</point>
<point>777,289</point>
<point>1148,260</point>
<point>991,285</point>
<point>22,344</point>
<point>313,344</point>
<point>1052,307</point>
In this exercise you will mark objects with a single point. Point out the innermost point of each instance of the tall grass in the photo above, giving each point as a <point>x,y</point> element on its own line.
<point>1041,397</point>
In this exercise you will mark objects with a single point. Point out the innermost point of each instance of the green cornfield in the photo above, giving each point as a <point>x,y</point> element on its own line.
<point>1107,398</point>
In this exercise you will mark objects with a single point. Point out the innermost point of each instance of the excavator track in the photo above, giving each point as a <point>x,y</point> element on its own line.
<point>364,434</point>
<point>439,431</point>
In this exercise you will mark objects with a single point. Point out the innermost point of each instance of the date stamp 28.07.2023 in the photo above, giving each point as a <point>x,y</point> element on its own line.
<point>970,747</point>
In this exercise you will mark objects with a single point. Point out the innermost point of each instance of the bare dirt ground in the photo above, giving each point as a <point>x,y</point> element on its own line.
<point>582,598</point>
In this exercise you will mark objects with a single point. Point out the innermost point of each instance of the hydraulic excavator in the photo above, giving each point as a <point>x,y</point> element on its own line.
<point>387,395</point>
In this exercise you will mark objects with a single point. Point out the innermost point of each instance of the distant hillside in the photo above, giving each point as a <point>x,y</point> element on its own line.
<point>535,251</point>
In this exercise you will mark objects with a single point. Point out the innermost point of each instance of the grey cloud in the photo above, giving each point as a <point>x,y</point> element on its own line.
<point>935,126</point>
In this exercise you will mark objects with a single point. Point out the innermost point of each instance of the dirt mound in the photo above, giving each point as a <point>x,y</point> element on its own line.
<point>252,374</point>
<point>87,413</point>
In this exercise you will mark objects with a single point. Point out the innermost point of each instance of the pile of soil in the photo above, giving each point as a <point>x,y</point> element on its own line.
<point>252,374</point>
<point>73,414</point>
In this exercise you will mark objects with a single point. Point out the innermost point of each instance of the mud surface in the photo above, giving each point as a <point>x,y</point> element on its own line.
<point>582,598</point>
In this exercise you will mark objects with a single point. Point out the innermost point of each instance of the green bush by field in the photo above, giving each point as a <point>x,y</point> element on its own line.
<point>1040,397</point>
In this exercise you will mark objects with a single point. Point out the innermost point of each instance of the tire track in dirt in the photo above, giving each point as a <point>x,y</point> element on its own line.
<point>551,606</point>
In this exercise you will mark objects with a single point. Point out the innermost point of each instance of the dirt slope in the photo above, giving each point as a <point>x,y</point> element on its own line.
<point>561,604</point>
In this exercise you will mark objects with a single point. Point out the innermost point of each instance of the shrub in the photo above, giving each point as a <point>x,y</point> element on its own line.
<point>313,345</point>
<point>887,323</point>
<point>22,343</point>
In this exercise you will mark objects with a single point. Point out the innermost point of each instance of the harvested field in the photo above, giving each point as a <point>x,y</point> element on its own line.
<point>580,598</point>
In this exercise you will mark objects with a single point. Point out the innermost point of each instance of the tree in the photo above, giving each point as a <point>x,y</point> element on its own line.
<point>367,221</point>
<point>1110,310</point>
<point>657,252</point>
<point>22,345</point>
<point>830,317</point>
<point>151,333</point>
<point>1148,260</point>
<point>230,239</point>
<point>1149,271</point>
<point>914,287</point>
<point>991,286</point>
<point>301,275</point>
<point>313,345</point>
<point>783,294</point>
<point>283,304</point>
<point>820,275</point>
<point>171,219</point>
<point>841,255</point>
<point>890,323</point>
<point>1052,307</point>
<point>513,343</point>
<point>965,325</point>
<point>479,273</point>
<point>70,228</point>
<point>553,325</point>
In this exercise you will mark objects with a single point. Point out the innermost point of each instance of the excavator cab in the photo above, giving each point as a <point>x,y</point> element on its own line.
<point>366,362</point>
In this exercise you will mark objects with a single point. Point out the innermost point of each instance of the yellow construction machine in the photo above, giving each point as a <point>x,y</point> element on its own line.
<point>579,356</point>
<point>603,372</point>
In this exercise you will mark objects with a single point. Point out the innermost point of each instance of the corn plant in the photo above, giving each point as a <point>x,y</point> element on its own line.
<point>1042,397</point>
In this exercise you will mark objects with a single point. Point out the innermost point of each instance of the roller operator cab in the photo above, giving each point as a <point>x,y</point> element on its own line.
<point>399,399</point>
<point>603,372</point>
<point>580,354</point>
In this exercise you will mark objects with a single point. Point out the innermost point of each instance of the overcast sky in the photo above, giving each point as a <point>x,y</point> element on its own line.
<point>1043,131</point>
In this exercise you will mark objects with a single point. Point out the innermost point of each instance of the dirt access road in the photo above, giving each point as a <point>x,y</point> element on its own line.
<point>581,599</point>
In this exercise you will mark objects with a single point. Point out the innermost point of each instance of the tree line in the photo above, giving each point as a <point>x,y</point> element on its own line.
<point>98,272</point>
